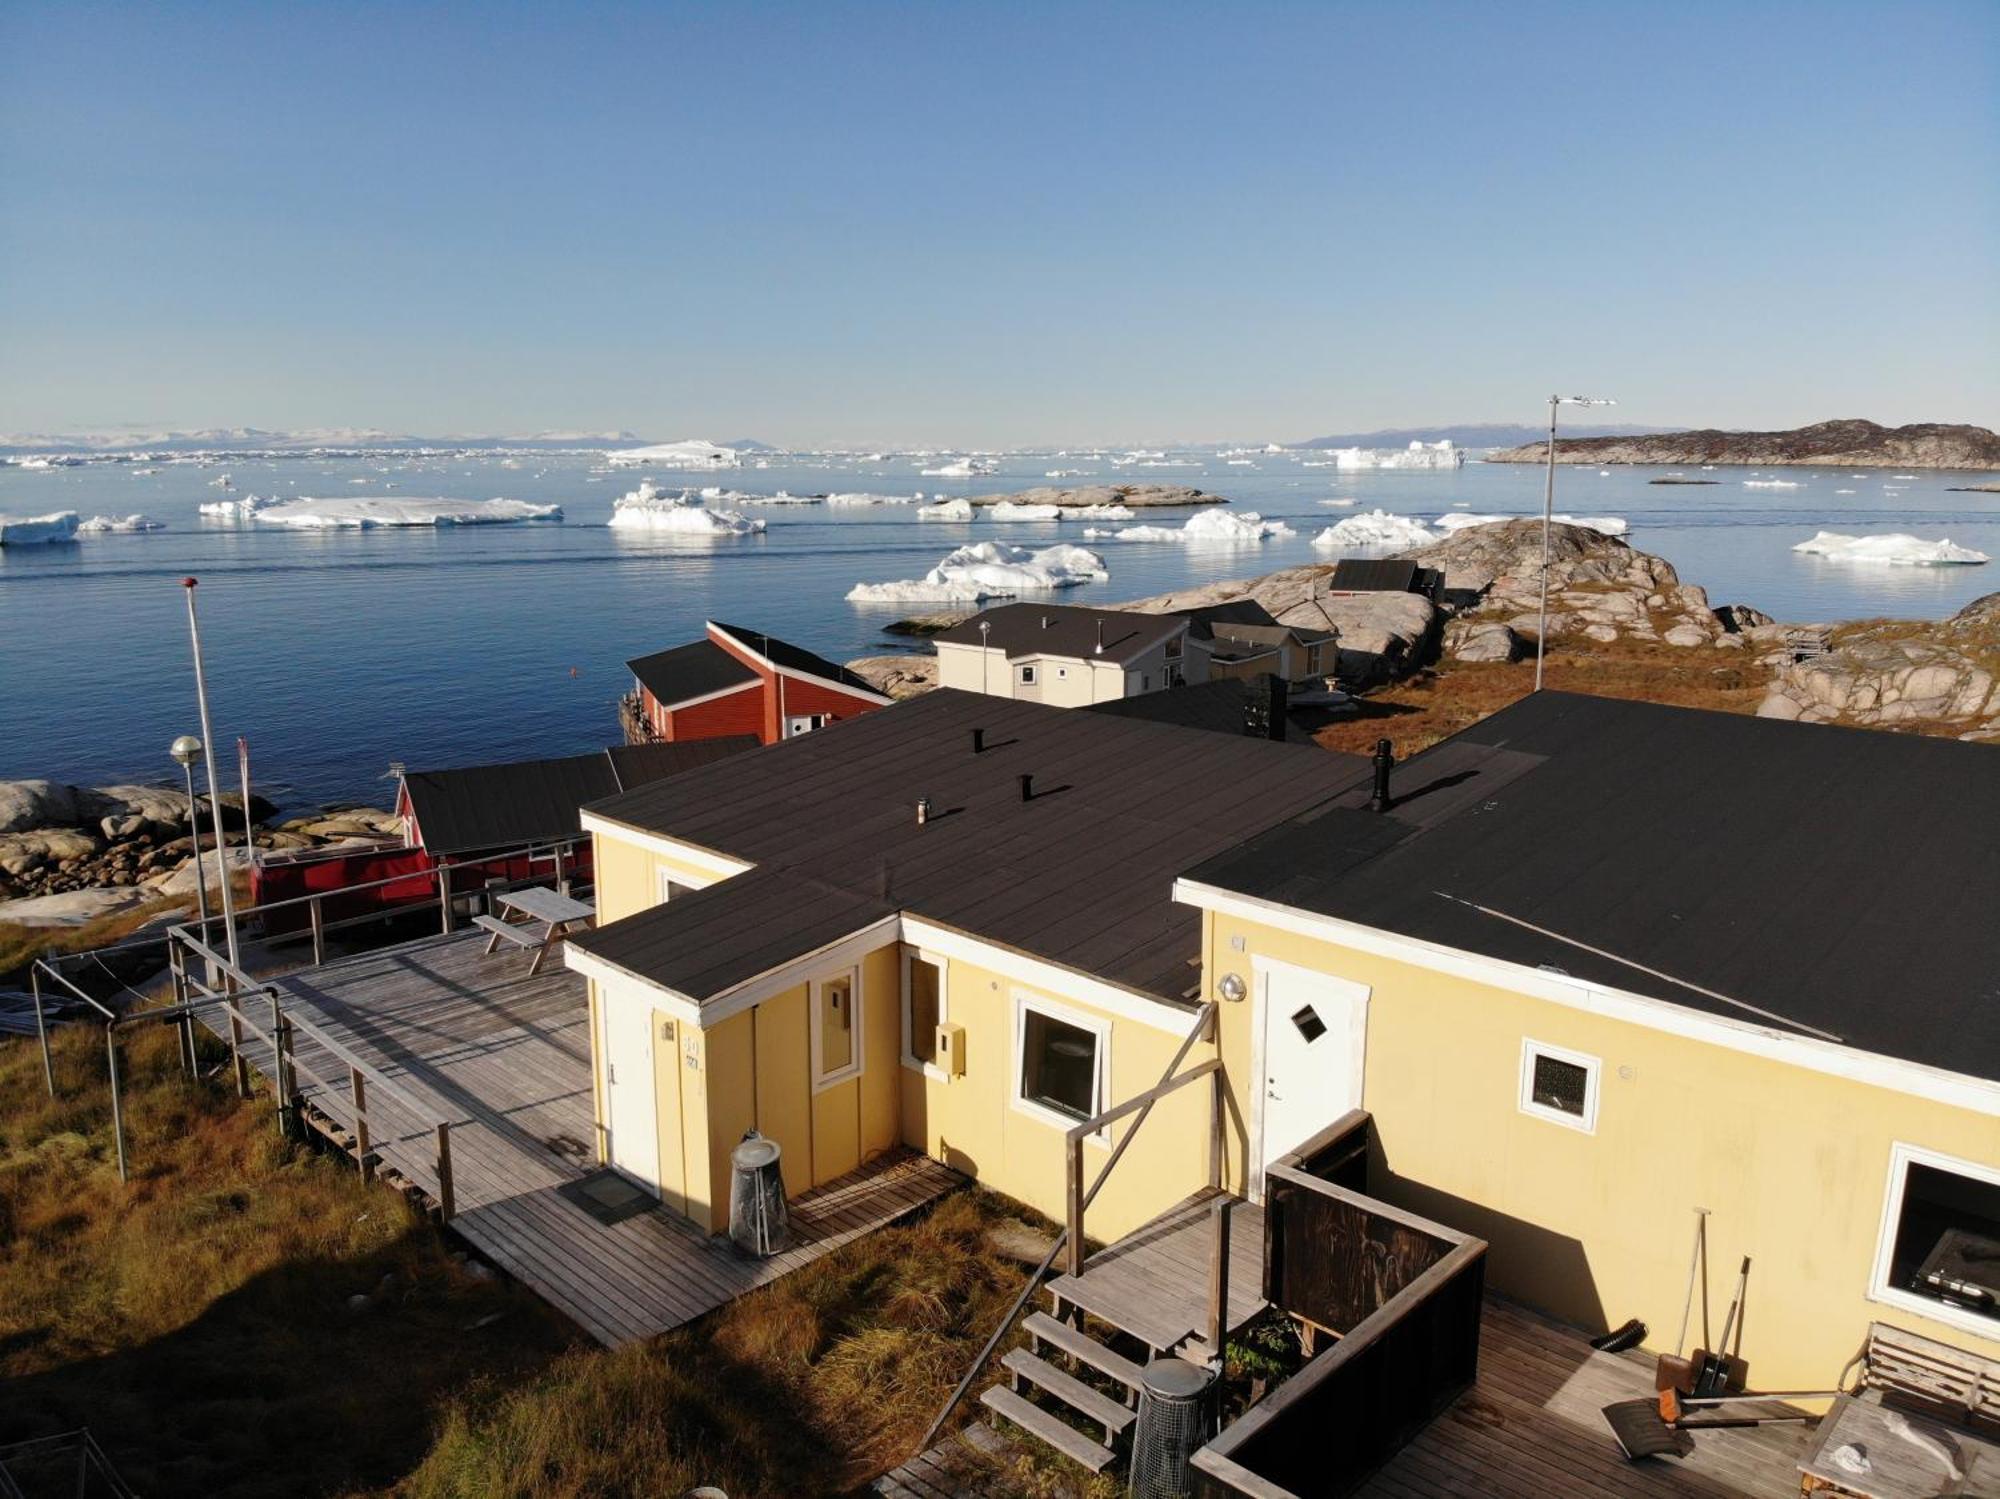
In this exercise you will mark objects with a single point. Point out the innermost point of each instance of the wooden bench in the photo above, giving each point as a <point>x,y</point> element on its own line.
<point>520,934</point>
<point>1951,1397</point>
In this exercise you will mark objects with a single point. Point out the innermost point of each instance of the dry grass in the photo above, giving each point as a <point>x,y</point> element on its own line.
<point>20,945</point>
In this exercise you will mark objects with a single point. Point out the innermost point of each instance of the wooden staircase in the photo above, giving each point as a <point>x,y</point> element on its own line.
<point>1085,1411</point>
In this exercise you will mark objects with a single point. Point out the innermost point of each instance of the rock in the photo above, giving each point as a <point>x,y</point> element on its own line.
<point>21,852</point>
<point>167,805</point>
<point>1685,634</point>
<point>1850,443</point>
<point>126,825</point>
<point>181,881</point>
<point>25,805</point>
<point>897,676</point>
<point>1481,640</point>
<point>1899,672</point>
<point>1741,618</point>
<point>1132,496</point>
<point>70,908</point>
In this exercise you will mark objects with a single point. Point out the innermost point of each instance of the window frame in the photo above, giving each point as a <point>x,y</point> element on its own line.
<point>1593,1068</point>
<point>857,1063</point>
<point>1027,677</point>
<point>1902,1156</point>
<point>915,1063</point>
<point>1099,1027</point>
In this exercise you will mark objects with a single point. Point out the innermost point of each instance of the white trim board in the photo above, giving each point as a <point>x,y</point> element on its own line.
<point>708,860</point>
<point>755,684</point>
<point>1973,1094</point>
<point>793,672</point>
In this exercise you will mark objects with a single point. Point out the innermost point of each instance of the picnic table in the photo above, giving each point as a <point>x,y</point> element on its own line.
<point>1892,1465</point>
<point>551,910</point>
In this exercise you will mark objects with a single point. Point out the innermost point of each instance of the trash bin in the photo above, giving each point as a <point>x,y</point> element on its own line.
<point>759,1224</point>
<point>1176,1418</point>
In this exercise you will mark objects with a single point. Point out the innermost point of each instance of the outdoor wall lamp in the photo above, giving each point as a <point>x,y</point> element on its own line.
<point>1232,988</point>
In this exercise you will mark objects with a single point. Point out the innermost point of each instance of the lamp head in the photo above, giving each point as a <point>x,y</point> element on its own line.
<point>186,750</point>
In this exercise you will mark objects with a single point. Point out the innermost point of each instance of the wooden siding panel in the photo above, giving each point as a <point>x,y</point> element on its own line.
<point>836,1130</point>
<point>739,712</point>
<point>784,1087</point>
<point>882,1050</point>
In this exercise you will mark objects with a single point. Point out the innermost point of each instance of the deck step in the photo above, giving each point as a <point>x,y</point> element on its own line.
<point>1083,1347</point>
<point>1057,1432</point>
<point>1086,1400</point>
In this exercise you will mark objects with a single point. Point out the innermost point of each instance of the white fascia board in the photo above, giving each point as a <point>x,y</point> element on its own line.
<point>1050,978</point>
<point>707,859</point>
<point>755,684</point>
<point>1973,1094</point>
<point>793,672</point>
<point>680,1006</point>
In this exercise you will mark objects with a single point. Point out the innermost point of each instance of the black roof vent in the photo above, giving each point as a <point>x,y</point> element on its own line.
<point>1027,787</point>
<point>1385,761</point>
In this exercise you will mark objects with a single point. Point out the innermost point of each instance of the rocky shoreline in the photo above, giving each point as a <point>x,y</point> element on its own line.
<point>1090,496</point>
<point>1844,444</point>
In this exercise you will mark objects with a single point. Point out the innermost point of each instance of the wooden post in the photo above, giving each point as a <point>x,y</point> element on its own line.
<point>288,1085</point>
<point>562,880</point>
<point>1218,1276</point>
<point>318,930</point>
<point>1076,1207</point>
<point>446,1206</point>
<point>444,899</point>
<point>358,1089</point>
<point>42,1026</point>
<point>117,1102</point>
<point>177,967</point>
<point>1218,1101</point>
<point>237,1063</point>
<point>278,1057</point>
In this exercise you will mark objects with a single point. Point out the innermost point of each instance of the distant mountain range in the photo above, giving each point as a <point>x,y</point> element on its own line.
<point>210,439</point>
<point>1477,435</point>
<point>1849,443</point>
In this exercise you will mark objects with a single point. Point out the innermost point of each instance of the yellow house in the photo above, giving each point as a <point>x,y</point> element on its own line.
<point>1601,964</point>
<point>948,926</point>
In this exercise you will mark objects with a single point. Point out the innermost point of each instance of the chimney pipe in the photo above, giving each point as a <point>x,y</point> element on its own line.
<point>1100,637</point>
<point>1027,788</point>
<point>979,741</point>
<point>923,810</point>
<point>1385,761</point>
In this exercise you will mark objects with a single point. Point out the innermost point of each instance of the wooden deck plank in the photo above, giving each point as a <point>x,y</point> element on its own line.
<point>471,1038</point>
<point>1153,1283</point>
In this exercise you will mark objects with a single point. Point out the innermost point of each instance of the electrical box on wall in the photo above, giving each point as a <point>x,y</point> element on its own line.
<point>951,1049</point>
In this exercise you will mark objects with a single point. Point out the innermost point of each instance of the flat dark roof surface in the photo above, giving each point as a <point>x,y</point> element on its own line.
<point>1380,575</point>
<point>1081,875</point>
<point>796,658</point>
<point>1064,630</point>
<point>1203,618</point>
<point>1219,706</point>
<point>1847,880</point>
<point>690,671</point>
<point>488,807</point>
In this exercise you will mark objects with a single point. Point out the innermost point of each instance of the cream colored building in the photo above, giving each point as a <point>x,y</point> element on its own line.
<point>1069,657</point>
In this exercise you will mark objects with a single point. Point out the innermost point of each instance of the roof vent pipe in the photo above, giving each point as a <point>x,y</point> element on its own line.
<point>1027,788</point>
<point>1385,761</point>
<point>923,810</point>
<point>979,741</point>
<point>1100,637</point>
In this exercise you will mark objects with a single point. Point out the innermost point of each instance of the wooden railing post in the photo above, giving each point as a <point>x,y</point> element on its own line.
<point>237,1062</point>
<point>444,898</point>
<point>288,1084</point>
<point>318,918</point>
<point>1218,1104</point>
<point>1218,1276</point>
<point>446,1203</point>
<point>358,1091</point>
<point>1075,1245</point>
<point>177,973</point>
<point>277,1053</point>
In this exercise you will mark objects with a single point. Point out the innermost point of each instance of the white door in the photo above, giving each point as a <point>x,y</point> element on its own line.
<point>1315,1033</point>
<point>630,1108</point>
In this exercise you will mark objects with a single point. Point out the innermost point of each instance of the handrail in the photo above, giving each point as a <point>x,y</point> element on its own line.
<point>1080,1200</point>
<point>1205,1024</point>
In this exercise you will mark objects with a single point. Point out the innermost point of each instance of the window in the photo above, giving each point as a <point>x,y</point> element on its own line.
<point>1559,1086</point>
<point>1145,682</point>
<point>669,887</point>
<point>836,1028</point>
<point>1027,675</point>
<point>1062,1063</point>
<point>923,1007</point>
<point>1939,1250</point>
<point>1062,673</point>
<point>1174,648</point>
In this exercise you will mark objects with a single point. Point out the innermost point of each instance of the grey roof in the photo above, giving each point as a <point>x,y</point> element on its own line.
<point>1081,875</point>
<point>1845,880</point>
<point>795,658</point>
<point>1065,630</point>
<point>1219,706</point>
<point>1203,618</point>
<point>690,671</point>
<point>1382,575</point>
<point>483,808</point>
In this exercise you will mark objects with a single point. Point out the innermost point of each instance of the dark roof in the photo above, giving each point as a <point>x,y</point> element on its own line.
<point>1064,630</point>
<point>1245,611</point>
<point>1219,706</point>
<point>1082,875</point>
<point>1845,880</point>
<point>796,658</point>
<point>487,807</point>
<point>1271,634</point>
<point>690,671</point>
<point>1381,575</point>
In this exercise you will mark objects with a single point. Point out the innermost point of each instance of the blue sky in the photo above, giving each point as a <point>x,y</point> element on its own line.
<point>995,224</point>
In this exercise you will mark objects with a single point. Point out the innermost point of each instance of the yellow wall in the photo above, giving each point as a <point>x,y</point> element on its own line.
<point>1596,1228</point>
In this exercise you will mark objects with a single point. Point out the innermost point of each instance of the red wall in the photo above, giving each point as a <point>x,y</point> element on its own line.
<point>759,709</point>
<point>735,713</point>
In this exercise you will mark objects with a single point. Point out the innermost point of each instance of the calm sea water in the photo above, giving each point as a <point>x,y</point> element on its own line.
<point>337,653</point>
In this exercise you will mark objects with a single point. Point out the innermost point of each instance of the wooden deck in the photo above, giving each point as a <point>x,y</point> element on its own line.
<point>1153,1283</point>
<point>1530,1427</point>
<point>506,1059</point>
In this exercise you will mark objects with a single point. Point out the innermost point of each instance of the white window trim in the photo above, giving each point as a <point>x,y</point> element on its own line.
<point>1097,1026</point>
<point>1593,1068</point>
<point>1028,675</point>
<point>930,1070</point>
<point>1901,1158</point>
<point>822,1080</point>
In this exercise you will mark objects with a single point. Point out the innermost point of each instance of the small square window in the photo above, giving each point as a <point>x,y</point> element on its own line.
<point>1310,1025</point>
<point>836,1027</point>
<point>1559,1086</point>
<point>1027,674</point>
<point>923,1007</point>
<point>1061,1066</point>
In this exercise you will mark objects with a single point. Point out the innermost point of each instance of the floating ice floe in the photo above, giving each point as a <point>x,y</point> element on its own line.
<point>782,497</point>
<point>1340,504</point>
<point>693,453</point>
<point>989,569</point>
<point>1376,528</point>
<point>1420,455</point>
<point>649,508</point>
<point>1063,473</point>
<point>1213,528</point>
<point>872,499</point>
<point>961,468</point>
<point>308,514</point>
<point>1769,484</point>
<point>1903,476</point>
<point>37,530</point>
<point>222,481</point>
<point>1008,510</point>
<point>1843,491</point>
<point>102,524</point>
<point>241,508</point>
<point>1609,525</point>
<point>1909,551</point>
<point>946,510</point>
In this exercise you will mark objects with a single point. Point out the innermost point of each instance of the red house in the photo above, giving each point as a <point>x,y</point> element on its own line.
<point>739,681</point>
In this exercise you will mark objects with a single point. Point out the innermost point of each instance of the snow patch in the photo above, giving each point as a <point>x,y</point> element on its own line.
<point>1909,551</point>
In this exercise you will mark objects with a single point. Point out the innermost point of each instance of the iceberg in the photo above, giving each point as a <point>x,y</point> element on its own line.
<point>1376,528</point>
<point>961,468</point>
<point>649,508</point>
<point>37,530</point>
<point>693,453</point>
<point>1340,504</point>
<point>1765,483</point>
<point>237,509</point>
<point>99,525</point>
<point>309,514</point>
<point>1213,528</point>
<point>1908,551</point>
<point>1608,525</point>
<point>946,510</point>
<point>872,499</point>
<point>1008,510</point>
<point>1418,455</point>
<point>1100,512</point>
<point>989,569</point>
<point>782,497</point>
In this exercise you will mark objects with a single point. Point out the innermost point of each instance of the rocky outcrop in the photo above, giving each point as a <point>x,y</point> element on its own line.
<point>897,676</point>
<point>1848,444</point>
<point>1132,496</point>
<point>1900,672</point>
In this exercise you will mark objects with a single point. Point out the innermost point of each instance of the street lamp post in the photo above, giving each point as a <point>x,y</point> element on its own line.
<point>1548,514</point>
<point>214,786</point>
<point>187,752</point>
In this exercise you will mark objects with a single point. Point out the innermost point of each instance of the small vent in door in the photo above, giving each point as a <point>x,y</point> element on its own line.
<point>1309,1024</point>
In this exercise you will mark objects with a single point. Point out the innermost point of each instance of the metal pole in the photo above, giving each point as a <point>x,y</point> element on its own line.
<point>243,770</point>
<point>42,1026</point>
<point>117,1106</point>
<point>214,786</point>
<point>194,835</point>
<point>1548,512</point>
